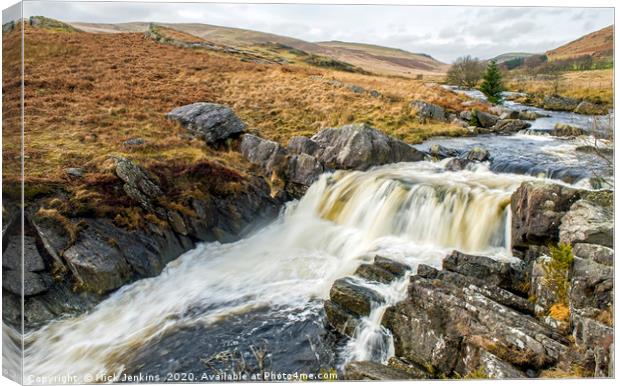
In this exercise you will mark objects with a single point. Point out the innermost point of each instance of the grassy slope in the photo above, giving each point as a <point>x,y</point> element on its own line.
<point>597,44</point>
<point>87,93</point>
<point>364,56</point>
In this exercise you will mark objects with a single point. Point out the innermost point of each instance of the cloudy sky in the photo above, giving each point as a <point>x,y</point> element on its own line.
<point>444,32</point>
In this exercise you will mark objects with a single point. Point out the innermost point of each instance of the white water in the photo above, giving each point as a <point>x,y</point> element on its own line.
<point>412,212</point>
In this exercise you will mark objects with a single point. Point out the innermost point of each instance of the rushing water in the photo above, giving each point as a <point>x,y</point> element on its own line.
<point>257,304</point>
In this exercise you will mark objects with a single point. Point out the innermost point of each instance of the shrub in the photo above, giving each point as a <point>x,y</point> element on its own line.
<point>556,277</point>
<point>465,71</point>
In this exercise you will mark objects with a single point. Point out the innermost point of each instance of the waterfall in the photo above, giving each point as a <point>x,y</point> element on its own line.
<point>411,212</point>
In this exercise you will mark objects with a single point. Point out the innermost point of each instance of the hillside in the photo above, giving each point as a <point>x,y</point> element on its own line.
<point>598,44</point>
<point>375,59</point>
<point>511,56</point>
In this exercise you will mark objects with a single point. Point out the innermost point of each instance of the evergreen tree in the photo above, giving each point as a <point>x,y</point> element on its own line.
<point>492,85</point>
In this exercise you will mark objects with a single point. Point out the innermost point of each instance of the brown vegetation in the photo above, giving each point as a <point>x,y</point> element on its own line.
<point>597,44</point>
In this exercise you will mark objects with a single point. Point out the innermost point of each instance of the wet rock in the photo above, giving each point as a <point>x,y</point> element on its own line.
<point>340,319</point>
<point>537,209</point>
<point>600,254</point>
<point>75,172</point>
<point>12,256</point>
<point>486,120</point>
<point>99,266</point>
<point>493,272</point>
<point>33,283</point>
<point>268,155</point>
<point>302,145</point>
<point>354,297</point>
<point>372,371</point>
<point>508,126</point>
<point>359,147</point>
<point>382,270</point>
<point>477,154</point>
<point>303,169</point>
<point>442,322</point>
<point>529,115</point>
<point>212,122</point>
<point>504,112</point>
<point>566,130</point>
<point>428,112</point>
<point>559,103</point>
<point>440,152</point>
<point>588,108</point>
<point>589,220</point>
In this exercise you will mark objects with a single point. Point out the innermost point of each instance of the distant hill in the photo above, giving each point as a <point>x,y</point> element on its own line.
<point>511,56</point>
<point>376,59</point>
<point>599,44</point>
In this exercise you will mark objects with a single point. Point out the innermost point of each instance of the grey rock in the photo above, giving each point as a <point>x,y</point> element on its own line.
<point>440,152</point>
<point>537,209</point>
<point>477,154</point>
<point>558,103</point>
<point>356,89</point>
<point>134,142</point>
<point>493,272</point>
<point>268,155</point>
<point>354,297</point>
<point>375,94</point>
<point>544,295</point>
<point>591,288</point>
<point>359,147</point>
<point>588,108</point>
<point>75,172</point>
<point>372,371</point>
<point>33,283</point>
<point>566,130</point>
<point>465,116</point>
<point>486,120</point>
<point>600,254</point>
<point>382,270</point>
<point>212,122</point>
<point>340,319</point>
<point>303,169</point>
<point>12,257</point>
<point>508,126</point>
<point>302,145</point>
<point>428,112</point>
<point>588,221</point>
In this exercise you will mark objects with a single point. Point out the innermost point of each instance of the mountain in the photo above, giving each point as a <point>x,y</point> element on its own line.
<point>599,44</point>
<point>372,58</point>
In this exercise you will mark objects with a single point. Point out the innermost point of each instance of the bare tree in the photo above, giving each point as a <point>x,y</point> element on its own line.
<point>465,71</point>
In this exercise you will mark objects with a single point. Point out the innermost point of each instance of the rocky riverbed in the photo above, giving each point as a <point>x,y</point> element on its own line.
<point>401,262</point>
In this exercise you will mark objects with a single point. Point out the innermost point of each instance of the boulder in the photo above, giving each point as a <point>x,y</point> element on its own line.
<point>477,154</point>
<point>138,185</point>
<point>600,254</point>
<point>588,108</point>
<point>465,116</point>
<point>372,371</point>
<point>508,126</point>
<point>267,155</point>
<point>12,255</point>
<point>383,270</point>
<point>302,145</point>
<point>486,120</point>
<point>359,147</point>
<point>303,169</point>
<point>589,220</point>
<point>537,208</point>
<point>210,121</point>
<point>75,172</point>
<point>428,112</point>
<point>32,284</point>
<point>591,289</point>
<point>440,152</point>
<point>559,103</point>
<point>529,115</point>
<point>566,130</point>
<point>493,272</point>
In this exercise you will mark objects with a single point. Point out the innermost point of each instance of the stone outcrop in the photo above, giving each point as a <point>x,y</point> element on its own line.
<point>590,220</point>
<point>350,300</point>
<point>360,146</point>
<point>537,209</point>
<point>589,108</point>
<point>428,112</point>
<point>559,103</point>
<point>210,121</point>
<point>566,130</point>
<point>356,146</point>
<point>509,126</point>
<point>486,120</point>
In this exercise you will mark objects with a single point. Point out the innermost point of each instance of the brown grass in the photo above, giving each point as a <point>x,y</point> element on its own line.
<point>595,85</point>
<point>87,93</point>
<point>598,44</point>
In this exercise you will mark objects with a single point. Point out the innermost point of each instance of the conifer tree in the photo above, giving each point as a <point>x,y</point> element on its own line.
<point>492,85</point>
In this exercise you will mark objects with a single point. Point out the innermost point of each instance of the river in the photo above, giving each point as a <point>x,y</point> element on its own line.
<point>257,304</point>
